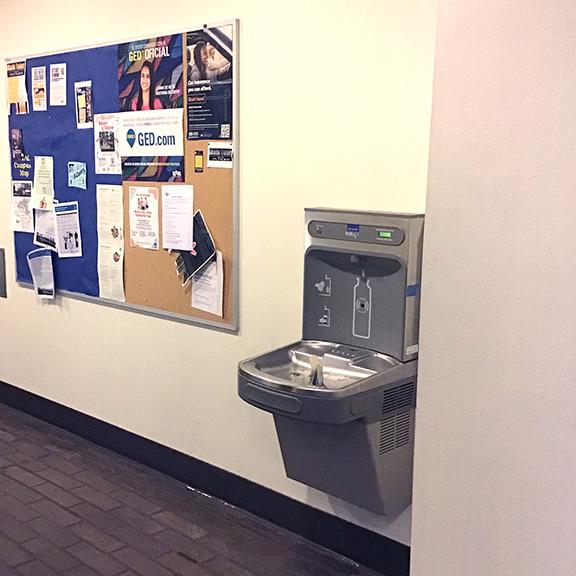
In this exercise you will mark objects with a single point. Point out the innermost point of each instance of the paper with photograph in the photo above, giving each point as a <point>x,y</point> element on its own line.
<point>83,96</point>
<point>150,74</point>
<point>209,83</point>
<point>68,237</point>
<point>17,144</point>
<point>45,229</point>
<point>106,145</point>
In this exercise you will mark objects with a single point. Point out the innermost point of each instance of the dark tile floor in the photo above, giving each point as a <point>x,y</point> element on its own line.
<point>73,508</point>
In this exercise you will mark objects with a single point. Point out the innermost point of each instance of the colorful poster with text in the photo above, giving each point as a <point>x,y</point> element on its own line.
<point>150,74</point>
<point>209,83</point>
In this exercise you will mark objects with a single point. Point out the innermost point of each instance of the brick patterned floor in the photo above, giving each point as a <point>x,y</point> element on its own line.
<point>72,508</point>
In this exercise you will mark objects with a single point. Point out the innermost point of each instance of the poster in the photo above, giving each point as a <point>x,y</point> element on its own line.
<point>39,103</point>
<point>209,83</point>
<point>106,145</point>
<point>110,201</point>
<point>57,84</point>
<point>152,145</point>
<point>22,220</point>
<point>144,217</point>
<point>16,85</point>
<point>83,97</point>
<point>150,74</point>
<point>68,237</point>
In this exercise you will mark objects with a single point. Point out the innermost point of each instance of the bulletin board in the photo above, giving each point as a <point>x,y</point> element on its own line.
<point>172,101</point>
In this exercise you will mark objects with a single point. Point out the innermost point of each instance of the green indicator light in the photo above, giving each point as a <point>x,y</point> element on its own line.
<point>384,234</point>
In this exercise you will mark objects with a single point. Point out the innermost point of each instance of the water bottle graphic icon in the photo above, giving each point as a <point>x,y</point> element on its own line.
<point>362,313</point>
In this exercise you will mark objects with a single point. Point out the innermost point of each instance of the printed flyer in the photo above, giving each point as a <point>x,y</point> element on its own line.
<point>150,74</point>
<point>110,241</point>
<point>106,145</point>
<point>43,188</point>
<point>209,83</point>
<point>144,217</point>
<point>39,103</point>
<point>68,237</point>
<point>77,175</point>
<point>40,263</point>
<point>57,84</point>
<point>22,220</point>
<point>16,84</point>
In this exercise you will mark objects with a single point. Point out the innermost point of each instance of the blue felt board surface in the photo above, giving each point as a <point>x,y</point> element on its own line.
<point>54,133</point>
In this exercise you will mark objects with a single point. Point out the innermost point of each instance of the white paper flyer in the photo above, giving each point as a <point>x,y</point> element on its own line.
<point>40,263</point>
<point>177,217</point>
<point>22,220</point>
<point>208,287</point>
<point>57,84</point>
<point>68,237</point>
<point>43,189</point>
<point>110,201</point>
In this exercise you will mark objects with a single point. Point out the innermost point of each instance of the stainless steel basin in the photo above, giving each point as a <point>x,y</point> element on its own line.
<point>316,367</point>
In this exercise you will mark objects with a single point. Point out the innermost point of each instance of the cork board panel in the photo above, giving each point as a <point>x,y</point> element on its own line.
<point>150,277</point>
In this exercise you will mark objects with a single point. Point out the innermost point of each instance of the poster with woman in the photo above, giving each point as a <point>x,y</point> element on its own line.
<point>209,56</point>
<point>150,74</point>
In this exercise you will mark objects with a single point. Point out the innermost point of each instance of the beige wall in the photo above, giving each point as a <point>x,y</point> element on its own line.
<point>495,442</point>
<point>335,102</point>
